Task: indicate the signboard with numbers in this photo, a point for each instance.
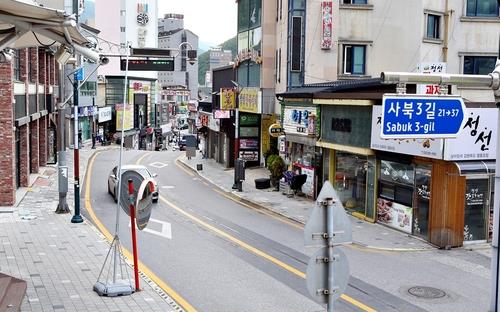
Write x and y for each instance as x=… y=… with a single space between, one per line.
x=410 y=116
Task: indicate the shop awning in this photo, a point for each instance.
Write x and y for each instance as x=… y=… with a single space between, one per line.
x=475 y=167
x=23 y=23
x=301 y=139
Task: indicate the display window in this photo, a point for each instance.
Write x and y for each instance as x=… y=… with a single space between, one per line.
x=350 y=181
x=476 y=209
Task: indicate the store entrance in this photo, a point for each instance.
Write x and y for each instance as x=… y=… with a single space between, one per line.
x=476 y=219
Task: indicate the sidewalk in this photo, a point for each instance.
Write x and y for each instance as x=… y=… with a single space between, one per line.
x=59 y=260
x=366 y=234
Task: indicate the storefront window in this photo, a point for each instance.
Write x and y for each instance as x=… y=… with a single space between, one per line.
x=350 y=180
x=422 y=200
x=475 y=209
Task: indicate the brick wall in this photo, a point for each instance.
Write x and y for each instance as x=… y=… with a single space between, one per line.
x=24 y=142
x=42 y=139
x=7 y=150
x=34 y=146
x=43 y=78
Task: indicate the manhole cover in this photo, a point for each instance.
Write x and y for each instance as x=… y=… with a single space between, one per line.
x=426 y=292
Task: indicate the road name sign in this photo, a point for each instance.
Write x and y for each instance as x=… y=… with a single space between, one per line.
x=406 y=116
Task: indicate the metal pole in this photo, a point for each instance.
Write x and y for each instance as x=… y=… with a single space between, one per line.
x=495 y=259
x=77 y=218
x=329 y=230
x=62 y=207
x=134 y=239
x=236 y=141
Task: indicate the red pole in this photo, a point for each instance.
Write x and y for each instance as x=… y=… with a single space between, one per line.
x=134 y=241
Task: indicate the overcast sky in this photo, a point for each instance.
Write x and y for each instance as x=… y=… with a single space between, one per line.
x=214 y=21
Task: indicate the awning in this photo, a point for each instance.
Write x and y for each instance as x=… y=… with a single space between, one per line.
x=24 y=23
x=475 y=167
x=301 y=139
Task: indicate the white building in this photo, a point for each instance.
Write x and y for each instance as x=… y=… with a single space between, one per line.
x=172 y=35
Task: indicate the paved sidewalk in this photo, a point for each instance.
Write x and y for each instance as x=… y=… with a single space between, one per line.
x=370 y=235
x=60 y=260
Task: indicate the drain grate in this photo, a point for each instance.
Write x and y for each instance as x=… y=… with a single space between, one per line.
x=426 y=292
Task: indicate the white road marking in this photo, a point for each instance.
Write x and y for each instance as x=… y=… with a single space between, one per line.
x=158 y=164
x=168 y=187
x=166 y=228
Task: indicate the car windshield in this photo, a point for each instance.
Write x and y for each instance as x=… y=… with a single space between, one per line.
x=145 y=172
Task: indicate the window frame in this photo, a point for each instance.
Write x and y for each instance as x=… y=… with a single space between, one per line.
x=475 y=57
x=436 y=32
x=344 y=59
x=468 y=3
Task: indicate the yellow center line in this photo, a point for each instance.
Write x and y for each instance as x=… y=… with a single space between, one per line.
x=164 y=286
x=259 y=252
x=141 y=158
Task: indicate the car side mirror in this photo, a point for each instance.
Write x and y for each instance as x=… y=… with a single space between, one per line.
x=154 y=175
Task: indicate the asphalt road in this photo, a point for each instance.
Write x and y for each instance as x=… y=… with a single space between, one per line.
x=217 y=255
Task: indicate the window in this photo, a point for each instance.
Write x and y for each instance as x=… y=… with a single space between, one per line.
x=17 y=65
x=296 y=43
x=354 y=59
x=88 y=88
x=354 y=1
x=479 y=65
x=483 y=8
x=432 y=26
x=122 y=29
x=31 y=67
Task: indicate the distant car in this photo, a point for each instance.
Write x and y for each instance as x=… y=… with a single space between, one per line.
x=113 y=181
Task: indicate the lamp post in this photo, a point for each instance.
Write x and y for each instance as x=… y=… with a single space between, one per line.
x=237 y=184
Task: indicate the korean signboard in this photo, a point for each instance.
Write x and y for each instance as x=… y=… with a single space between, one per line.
x=430 y=68
x=300 y=120
x=250 y=101
x=221 y=114
x=326 y=21
x=128 y=115
x=227 y=98
x=104 y=114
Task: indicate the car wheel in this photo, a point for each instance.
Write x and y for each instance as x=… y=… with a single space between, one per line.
x=155 y=200
x=109 y=190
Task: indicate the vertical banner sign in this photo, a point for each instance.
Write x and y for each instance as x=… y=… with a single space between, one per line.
x=227 y=98
x=430 y=68
x=326 y=19
x=127 y=114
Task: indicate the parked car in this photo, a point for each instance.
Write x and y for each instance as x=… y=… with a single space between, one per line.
x=143 y=170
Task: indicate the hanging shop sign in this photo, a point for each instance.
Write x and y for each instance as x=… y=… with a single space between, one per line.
x=249 y=155
x=249 y=143
x=213 y=124
x=430 y=68
x=247 y=54
x=326 y=18
x=275 y=130
x=127 y=114
x=300 y=120
x=203 y=120
x=227 y=98
x=105 y=114
x=250 y=101
x=222 y=114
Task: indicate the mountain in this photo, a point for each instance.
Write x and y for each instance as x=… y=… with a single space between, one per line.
x=203 y=58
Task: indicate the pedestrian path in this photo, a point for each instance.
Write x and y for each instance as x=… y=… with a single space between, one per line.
x=59 y=260
x=365 y=234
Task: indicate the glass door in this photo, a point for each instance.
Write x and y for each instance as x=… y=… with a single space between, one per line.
x=476 y=209
x=422 y=200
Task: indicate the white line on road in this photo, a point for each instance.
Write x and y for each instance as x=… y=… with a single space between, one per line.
x=166 y=228
x=168 y=187
x=158 y=164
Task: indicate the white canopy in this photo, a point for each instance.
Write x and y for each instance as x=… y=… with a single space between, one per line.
x=24 y=23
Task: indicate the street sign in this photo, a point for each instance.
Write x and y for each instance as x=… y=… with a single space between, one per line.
x=317 y=275
x=418 y=116
x=80 y=73
x=315 y=230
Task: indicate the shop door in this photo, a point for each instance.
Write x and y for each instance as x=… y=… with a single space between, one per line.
x=422 y=200
x=476 y=209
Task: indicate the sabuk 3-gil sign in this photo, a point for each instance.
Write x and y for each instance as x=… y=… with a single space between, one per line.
x=420 y=116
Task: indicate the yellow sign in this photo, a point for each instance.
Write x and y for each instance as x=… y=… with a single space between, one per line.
x=275 y=130
x=227 y=98
x=129 y=114
x=249 y=100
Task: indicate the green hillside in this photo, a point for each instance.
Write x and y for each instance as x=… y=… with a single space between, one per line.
x=203 y=64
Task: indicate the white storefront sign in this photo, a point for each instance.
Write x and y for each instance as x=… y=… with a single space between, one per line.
x=432 y=148
x=476 y=141
x=104 y=114
x=430 y=68
x=213 y=123
x=300 y=120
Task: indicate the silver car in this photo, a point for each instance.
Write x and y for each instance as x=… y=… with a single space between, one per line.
x=113 y=181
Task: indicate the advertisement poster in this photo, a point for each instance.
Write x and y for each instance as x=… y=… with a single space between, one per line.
x=249 y=143
x=394 y=215
x=227 y=99
x=476 y=194
x=250 y=101
x=128 y=123
x=308 y=187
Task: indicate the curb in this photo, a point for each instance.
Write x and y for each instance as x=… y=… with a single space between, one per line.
x=235 y=197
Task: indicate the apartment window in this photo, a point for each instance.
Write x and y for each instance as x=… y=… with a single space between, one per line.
x=482 y=8
x=296 y=43
x=354 y=59
x=479 y=65
x=432 y=26
x=122 y=29
x=88 y=88
x=17 y=65
x=355 y=1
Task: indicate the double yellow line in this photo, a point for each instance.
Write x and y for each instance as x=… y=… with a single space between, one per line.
x=172 y=293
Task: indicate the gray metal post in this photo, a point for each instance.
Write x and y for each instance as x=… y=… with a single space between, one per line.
x=329 y=230
x=62 y=166
x=495 y=257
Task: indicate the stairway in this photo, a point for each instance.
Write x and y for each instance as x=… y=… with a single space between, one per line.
x=12 y=291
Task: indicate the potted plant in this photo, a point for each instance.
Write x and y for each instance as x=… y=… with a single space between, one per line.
x=276 y=166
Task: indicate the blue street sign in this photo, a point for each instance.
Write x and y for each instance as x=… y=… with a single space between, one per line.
x=79 y=74
x=419 y=116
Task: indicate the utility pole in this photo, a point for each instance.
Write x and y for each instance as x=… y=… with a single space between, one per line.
x=62 y=207
x=77 y=218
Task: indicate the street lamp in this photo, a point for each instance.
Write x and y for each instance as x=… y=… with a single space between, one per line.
x=237 y=165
